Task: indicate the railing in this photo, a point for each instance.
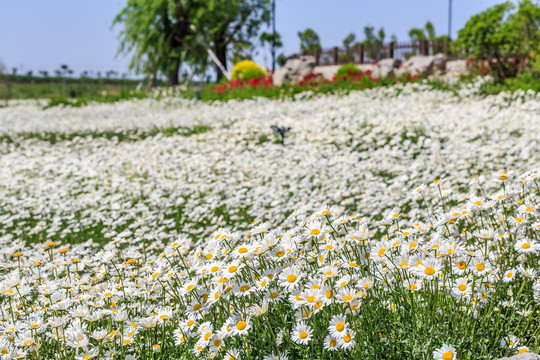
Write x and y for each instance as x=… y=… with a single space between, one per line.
x=362 y=54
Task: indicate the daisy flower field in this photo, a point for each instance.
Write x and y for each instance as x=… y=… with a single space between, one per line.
x=392 y=223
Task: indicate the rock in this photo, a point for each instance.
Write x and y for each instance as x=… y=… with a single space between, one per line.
x=525 y=356
x=295 y=69
x=439 y=62
x=327 y=71
x=422 y=65
x=277 y=77
x=456 y=68
x=385 y=67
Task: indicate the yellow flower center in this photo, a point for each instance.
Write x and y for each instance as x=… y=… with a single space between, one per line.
x=333 y=343
x=381 y=252
x=526 y=246
x=273 y=295
x=523 y=351
x=462 y=287
x=429 y=270
x=242 y=250
x=217 y=342
x=207 y=336
x=448 y=356
x=340 y=326
x=244 y=288
x=329 y=294
x=461 y=265
x=291 y=278
x=347 y=338
x=214 y=268
x=190 y=322
x=315 y=232
x=311 y=299
x=241 y=325
x=347 y=298
x=303 y=335
x=480 y=267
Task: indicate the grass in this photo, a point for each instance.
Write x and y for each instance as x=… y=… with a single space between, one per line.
x=523 y=82
x=52 y=88
x=81 y=101
x=129 y=135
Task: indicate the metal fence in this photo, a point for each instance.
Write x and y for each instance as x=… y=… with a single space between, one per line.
x=361 y=54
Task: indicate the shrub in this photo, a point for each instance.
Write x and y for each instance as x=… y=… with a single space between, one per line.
x=346 y=71
x=247 y=69
x=505 y=38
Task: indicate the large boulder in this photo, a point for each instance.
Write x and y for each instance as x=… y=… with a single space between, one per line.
x=327 y=71
x=294 y=70
x=456 y=68
x=386 y=67
x=422 y=65
x=525 y=356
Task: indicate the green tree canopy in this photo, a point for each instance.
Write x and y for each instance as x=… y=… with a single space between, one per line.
x=372 y=38
x=349 y=39
x=160 y=37
x=309 y=40
x=507 y=38
x=233 y=27
x=155 y=33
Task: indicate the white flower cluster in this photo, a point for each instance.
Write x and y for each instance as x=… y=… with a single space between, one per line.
x=386 y=214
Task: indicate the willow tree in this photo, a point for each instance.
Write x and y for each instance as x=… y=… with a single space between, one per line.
x=155 y=33
x=232 y=27
x=160 y=36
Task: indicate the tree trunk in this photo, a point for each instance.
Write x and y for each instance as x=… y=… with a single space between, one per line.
x=172 y=75
x=220 y=48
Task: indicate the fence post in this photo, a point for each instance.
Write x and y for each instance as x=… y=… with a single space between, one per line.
x=391 y=50
x=426 y=48
x=361 y=54
x=335 y=55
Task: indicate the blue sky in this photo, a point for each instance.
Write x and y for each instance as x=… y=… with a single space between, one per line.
x=43 y=34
